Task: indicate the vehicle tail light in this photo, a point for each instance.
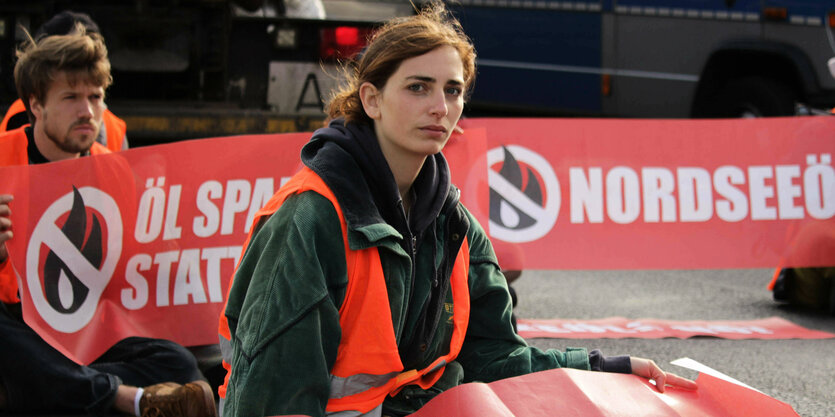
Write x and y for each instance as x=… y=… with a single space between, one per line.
x=343 y=42
x=606 y=85
x=832 y=19
x=776 y=13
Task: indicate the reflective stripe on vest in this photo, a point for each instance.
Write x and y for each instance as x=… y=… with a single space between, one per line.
x=376 y=412
x=368 y=365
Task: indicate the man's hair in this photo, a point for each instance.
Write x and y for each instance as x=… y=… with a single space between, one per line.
x=66 y=22
x=80 y=55
x=397 y=41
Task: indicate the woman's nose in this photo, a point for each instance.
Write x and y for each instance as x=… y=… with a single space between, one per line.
x=439 y=105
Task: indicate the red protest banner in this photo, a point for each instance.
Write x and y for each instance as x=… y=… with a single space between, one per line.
x=571 y=392
x=620 y=328
x=144 y=242
x=645 y=194
x=585 y=194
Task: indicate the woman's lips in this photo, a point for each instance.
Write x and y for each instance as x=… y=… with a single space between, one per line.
x=435 y=130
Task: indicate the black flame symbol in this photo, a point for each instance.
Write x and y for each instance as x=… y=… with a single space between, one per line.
x=74 y=229
x=512 y=172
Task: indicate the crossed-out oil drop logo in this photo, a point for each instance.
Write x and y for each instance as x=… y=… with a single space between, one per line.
x=524 y=194
x=71 y=257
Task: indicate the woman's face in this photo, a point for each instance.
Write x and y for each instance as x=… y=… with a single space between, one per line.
x=420 y=104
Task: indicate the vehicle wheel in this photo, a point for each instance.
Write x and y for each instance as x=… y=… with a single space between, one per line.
x=752 y=97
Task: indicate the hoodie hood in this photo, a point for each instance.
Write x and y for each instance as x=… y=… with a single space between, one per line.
x=349 y=159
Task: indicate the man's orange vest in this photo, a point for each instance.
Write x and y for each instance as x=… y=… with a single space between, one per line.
x=368 y=348
x=115 y=128
x=14 y=151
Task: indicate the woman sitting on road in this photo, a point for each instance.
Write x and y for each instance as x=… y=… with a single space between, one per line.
x=366 y=287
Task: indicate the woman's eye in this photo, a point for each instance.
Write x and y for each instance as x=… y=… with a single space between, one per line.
x=453 y=91
x=416 y=87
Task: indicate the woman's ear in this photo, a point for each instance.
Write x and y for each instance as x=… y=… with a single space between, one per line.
x=370 y=98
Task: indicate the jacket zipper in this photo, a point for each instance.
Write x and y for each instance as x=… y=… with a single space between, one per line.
x=412 y=250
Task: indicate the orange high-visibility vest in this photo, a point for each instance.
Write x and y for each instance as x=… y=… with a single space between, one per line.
x=368 y=365
x=115 y=128
x=16 y=107
x=14 y=151
x=14 y=148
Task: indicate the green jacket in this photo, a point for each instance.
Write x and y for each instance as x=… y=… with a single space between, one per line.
x=284 y=302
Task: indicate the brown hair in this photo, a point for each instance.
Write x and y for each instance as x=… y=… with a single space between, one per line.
x=81 y=55
x=398 y=40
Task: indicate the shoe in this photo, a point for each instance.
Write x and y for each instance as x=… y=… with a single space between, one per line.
x=168 y=399
x=782 y=284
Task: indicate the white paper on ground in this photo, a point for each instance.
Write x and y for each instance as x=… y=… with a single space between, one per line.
x=699 y=367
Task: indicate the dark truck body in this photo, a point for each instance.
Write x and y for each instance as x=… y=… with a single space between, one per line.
x=203 y=68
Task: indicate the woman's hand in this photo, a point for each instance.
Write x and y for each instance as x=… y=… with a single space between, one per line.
x=648 y=369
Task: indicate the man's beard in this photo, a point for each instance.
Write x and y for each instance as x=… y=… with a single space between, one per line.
x=69 y=145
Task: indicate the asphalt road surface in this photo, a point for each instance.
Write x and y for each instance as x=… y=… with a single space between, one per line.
x=798 y=372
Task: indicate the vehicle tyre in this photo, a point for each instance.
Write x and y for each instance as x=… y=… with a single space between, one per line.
x=752 y=97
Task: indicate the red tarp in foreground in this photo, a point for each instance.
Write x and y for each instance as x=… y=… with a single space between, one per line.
x=621 y=328
x=570 y=392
